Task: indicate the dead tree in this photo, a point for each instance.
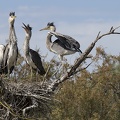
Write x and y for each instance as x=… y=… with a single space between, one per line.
x=17 y=100
x=80 y=60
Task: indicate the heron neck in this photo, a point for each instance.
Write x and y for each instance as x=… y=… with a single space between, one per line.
x=10 y=31
x=26 y=45
x=48 y=41
x=12 y=34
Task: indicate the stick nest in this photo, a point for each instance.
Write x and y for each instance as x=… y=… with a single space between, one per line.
x=16 y=97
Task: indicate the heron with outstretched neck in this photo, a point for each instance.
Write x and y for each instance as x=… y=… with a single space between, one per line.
x=11 y=49
x=31 y=57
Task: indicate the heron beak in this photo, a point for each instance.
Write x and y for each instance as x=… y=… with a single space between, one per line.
x=14 y=17
x=46 y=28
x=24 y=26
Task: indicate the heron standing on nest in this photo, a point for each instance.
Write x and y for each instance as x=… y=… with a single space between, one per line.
x=11 y=49
x=31 y=57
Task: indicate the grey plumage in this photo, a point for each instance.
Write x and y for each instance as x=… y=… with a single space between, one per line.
x=68 y=42
x=36 y=59
x=10 y=58
x=11 y=49
x=63 y=45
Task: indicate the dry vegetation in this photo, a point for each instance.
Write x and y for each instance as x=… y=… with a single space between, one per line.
x=56 y=96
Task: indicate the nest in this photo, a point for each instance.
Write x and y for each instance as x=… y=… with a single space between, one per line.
x=21 y=99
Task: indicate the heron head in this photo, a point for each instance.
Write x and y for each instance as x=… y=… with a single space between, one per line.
x=12 y=18
x=27 y=28
x=50 y=26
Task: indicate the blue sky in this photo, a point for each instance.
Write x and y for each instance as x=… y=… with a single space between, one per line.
x=81 y=19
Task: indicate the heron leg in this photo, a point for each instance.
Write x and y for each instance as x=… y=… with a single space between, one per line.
x=8 y=72
x=63 y=62
x=36 y=75
x=60 y=57
x=64 y=69
x=31 y=73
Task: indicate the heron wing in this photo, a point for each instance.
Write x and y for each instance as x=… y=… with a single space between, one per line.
x=2 y=48
x=58 y=47
x=68 y=41
x=37 y=61
x=12 y=67
x=5 y=58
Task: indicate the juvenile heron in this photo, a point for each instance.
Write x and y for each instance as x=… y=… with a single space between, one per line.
x=31 y=57
x=11 y=49
x=63 y=45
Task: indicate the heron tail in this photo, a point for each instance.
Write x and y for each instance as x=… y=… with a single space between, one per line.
x=79 y=51
x=42 y=71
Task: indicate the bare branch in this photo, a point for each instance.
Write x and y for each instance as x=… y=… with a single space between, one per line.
x=72 y=71
x=98 y=34
x=116 y=28
x=81 y=69
x=111 y=28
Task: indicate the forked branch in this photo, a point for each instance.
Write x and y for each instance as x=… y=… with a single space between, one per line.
x=79 y=61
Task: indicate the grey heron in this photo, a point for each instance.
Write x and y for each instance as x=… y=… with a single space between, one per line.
x=11 y=49
x=63 y=45
x=31 y=57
